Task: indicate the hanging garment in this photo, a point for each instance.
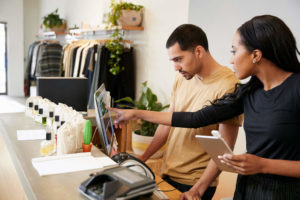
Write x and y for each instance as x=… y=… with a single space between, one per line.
x=96 y=76
x=122 y=84
x=49 y=60
x=27 y=76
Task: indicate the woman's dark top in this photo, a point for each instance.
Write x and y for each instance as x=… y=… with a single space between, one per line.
x=272 y=119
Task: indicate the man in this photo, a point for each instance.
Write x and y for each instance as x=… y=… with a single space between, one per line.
x=202 y=79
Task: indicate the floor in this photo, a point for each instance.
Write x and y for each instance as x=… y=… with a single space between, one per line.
x=10 y=186
x=11 y=104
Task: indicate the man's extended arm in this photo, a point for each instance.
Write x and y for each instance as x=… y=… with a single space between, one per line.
x=159 y=139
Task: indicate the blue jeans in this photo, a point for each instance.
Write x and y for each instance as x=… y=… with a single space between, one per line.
x=208 y=194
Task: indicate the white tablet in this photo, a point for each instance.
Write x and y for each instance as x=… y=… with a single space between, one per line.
x=215 y=146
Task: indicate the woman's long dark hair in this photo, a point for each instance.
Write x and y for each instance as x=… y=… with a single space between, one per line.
x=274 y=39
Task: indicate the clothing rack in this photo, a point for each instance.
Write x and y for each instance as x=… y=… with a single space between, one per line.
x=89 y=58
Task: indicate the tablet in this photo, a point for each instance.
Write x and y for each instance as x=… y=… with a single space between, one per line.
x=216 y=146
x=106 y=132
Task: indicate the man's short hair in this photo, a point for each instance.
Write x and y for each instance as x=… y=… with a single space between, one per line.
x=188 y=37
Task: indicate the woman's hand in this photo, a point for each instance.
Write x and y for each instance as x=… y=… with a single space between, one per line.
x=245 y=164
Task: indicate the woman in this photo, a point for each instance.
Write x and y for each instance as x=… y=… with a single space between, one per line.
x=265 y=49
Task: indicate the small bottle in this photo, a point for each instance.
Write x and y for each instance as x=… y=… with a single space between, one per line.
x=48 y=146
x=38 y=116
x=41 y=118
x=29 y=109
x=44 y=118
x=35 y=110
x=56 y=123
x=50 y=119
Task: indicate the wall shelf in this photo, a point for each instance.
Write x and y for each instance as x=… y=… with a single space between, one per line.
x=133 y=28
x=76 y=34
x=125 y=28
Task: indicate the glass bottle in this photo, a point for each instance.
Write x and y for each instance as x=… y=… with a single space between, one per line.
x=44 y=118
x=35 y=110
x=29 y=109
x=56 y=123
x=50 y=119
x=48 y=146
x=40 y=117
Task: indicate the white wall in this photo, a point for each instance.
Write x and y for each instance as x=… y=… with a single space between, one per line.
x=31 y=23
x=11 y=11
x=153 y=65
x=220 y=19
x=74 y=11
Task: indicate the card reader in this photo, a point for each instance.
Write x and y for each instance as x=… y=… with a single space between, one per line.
x=117 y=183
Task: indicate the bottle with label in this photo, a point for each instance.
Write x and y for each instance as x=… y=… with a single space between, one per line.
x=56 y=123
x=40 y=117
x=50 y=119
x=29 y=109
x=48 y=146
x=35 y=110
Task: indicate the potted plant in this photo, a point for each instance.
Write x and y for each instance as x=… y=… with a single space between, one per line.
x=126 y=14
x=87 y=136
x=53 y=22
x=144 y=131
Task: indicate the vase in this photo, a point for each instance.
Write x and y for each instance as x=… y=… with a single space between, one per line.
x=140 y=143
x=87 y=147
x=59 y=30
x=130 y=18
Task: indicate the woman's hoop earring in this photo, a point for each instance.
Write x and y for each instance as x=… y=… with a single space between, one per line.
x=254 y=61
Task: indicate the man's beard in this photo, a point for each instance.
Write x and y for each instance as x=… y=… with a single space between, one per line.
x=186 y=75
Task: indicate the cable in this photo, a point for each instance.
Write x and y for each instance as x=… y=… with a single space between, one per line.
x=164 y=190
x=160 y=182
x=167 y=190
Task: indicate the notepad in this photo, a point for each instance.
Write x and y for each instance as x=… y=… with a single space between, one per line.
x=38 y=134
x=70 y=163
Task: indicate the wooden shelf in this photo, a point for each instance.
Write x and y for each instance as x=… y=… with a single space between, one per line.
x=133 y=28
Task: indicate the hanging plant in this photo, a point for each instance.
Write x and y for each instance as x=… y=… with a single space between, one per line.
x=116 y=49
x=115 y=44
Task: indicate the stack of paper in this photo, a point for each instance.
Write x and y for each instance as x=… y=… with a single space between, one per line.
x=70 y=163
x=38 y=134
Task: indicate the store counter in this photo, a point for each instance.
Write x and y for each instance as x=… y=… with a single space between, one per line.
x=61 y=186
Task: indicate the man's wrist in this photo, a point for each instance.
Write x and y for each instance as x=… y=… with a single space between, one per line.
x=142 y=158
x=198 y=189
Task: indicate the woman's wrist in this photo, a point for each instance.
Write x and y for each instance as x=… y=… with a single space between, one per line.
x=264 y=165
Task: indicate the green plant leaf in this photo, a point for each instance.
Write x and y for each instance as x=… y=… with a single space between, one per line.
x=127 y=99
x=52 y=19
